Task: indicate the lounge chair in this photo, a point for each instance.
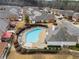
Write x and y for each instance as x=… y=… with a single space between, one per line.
x=28 y=45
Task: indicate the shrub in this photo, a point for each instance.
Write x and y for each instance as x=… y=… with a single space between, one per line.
x=26 y=18
x=23 y=50
x=77 y=45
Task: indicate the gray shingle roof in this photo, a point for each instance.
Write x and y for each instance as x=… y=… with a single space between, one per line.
x=71 y=28
x=3 y=25
x=67 y=33
x=43 y=17
x=63 y=36
x=66 y=12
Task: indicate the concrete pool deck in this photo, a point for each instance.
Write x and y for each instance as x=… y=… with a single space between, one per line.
x=34 y=45
x=42 y=36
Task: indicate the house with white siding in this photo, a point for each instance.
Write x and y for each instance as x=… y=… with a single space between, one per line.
x=65 y=34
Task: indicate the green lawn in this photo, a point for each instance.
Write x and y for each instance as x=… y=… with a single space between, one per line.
x=74 y=47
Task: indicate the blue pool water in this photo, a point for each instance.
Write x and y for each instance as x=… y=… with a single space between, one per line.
x=32 y=36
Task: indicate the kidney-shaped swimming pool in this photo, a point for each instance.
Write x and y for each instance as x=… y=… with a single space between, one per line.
x=32 y=36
